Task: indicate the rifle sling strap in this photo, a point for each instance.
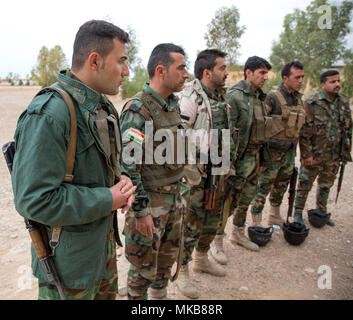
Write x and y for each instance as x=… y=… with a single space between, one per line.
x=70 y=156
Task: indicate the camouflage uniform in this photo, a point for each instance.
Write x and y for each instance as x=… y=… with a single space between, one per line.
x=327 y=137
x=202 y=108
x=151 y=260
x=249 y=115
x=283 y=150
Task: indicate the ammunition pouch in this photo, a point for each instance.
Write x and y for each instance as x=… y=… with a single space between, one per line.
x=282 y=145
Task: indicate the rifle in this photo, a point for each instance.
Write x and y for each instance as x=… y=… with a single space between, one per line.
x=37 y=232
x=340 y=179
x=343 y=164
x=291 y=196
x=210 y=192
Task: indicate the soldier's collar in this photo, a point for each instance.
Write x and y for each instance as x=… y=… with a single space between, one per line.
x=324 y=97
x=170 y=104
x=84 y=95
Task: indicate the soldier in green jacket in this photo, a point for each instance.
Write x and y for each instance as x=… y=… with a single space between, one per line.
x=248 y=114
x=325 y=141
x=204 y=110
x=85 y=255
x=286 y=108
x=150 y=124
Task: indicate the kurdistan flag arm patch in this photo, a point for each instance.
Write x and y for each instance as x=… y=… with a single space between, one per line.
x=136 y=135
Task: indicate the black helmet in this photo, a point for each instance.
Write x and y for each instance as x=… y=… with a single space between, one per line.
x=295 y=232
x=261 y=236
x=318 y=218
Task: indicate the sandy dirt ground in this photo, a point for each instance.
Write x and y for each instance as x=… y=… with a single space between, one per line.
x=319 y=269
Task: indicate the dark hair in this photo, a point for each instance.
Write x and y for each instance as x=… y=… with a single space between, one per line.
x=206 y=59
x=95 y=36
x=161 y=55
x=254 y=63
x=328 y=73
x=286 y=70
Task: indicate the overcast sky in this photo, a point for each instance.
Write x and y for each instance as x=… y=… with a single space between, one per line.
x=26 y=26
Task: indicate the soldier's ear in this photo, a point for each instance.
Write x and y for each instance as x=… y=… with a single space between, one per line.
x=160 y=70
x=94 y=61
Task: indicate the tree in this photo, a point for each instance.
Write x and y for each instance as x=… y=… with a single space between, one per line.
x=224 y=32
x=49 y=63
x=347 y=87
x=135 y=85
x=316 y=43
x=137 y=72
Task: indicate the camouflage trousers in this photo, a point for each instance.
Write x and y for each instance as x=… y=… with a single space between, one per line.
x=105 y=289
x=151 y=260
x=274 y=180
x=326 y=173
x=245 y=185
x=199 y=232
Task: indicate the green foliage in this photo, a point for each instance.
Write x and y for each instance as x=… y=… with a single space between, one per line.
x=224 y=32
x=131 y=87
x=49 y=63
x=272 y=84
x=316 y=48
x=347 y=84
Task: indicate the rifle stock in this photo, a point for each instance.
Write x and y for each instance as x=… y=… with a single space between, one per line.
x=37 y=232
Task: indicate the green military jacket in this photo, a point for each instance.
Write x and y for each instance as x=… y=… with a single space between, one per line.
x=83 y=207
x=241 y=100
x=327 y=132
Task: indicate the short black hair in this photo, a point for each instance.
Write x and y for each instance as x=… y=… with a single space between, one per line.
x=161 y=55
x=206 y=59
x=95 y=36
x=286 y=70
x=254 y=63
x=328 y=73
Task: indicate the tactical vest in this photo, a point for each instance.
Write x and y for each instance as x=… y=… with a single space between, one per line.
x=293 y=118
x=157 y=175
x=219 y=117
x=108 y=129
x=261 y=129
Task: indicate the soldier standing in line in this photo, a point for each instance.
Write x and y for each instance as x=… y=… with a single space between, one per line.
x=286 y=104
x=85 y=209
x=203 y=108
x=249 y=115
x=325 y=141
x=153 y=226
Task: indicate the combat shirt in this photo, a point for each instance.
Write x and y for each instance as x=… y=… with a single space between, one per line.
x=130 y=119
x=327 y=122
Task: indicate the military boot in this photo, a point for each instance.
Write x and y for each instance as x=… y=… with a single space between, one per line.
x=157 y=294
x=256 y=219
x=238 y=237
x=275 y=217
x=184 y=284
x=202 y=264
x=217 y=250
x=298 y=217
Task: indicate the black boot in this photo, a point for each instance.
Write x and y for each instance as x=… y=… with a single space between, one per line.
x=298 y=217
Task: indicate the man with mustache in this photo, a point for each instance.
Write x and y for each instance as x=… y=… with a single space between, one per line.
x=203 y=108
x=286 y=107
x=153 y=226
x=325 y=141
x=248 y=114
